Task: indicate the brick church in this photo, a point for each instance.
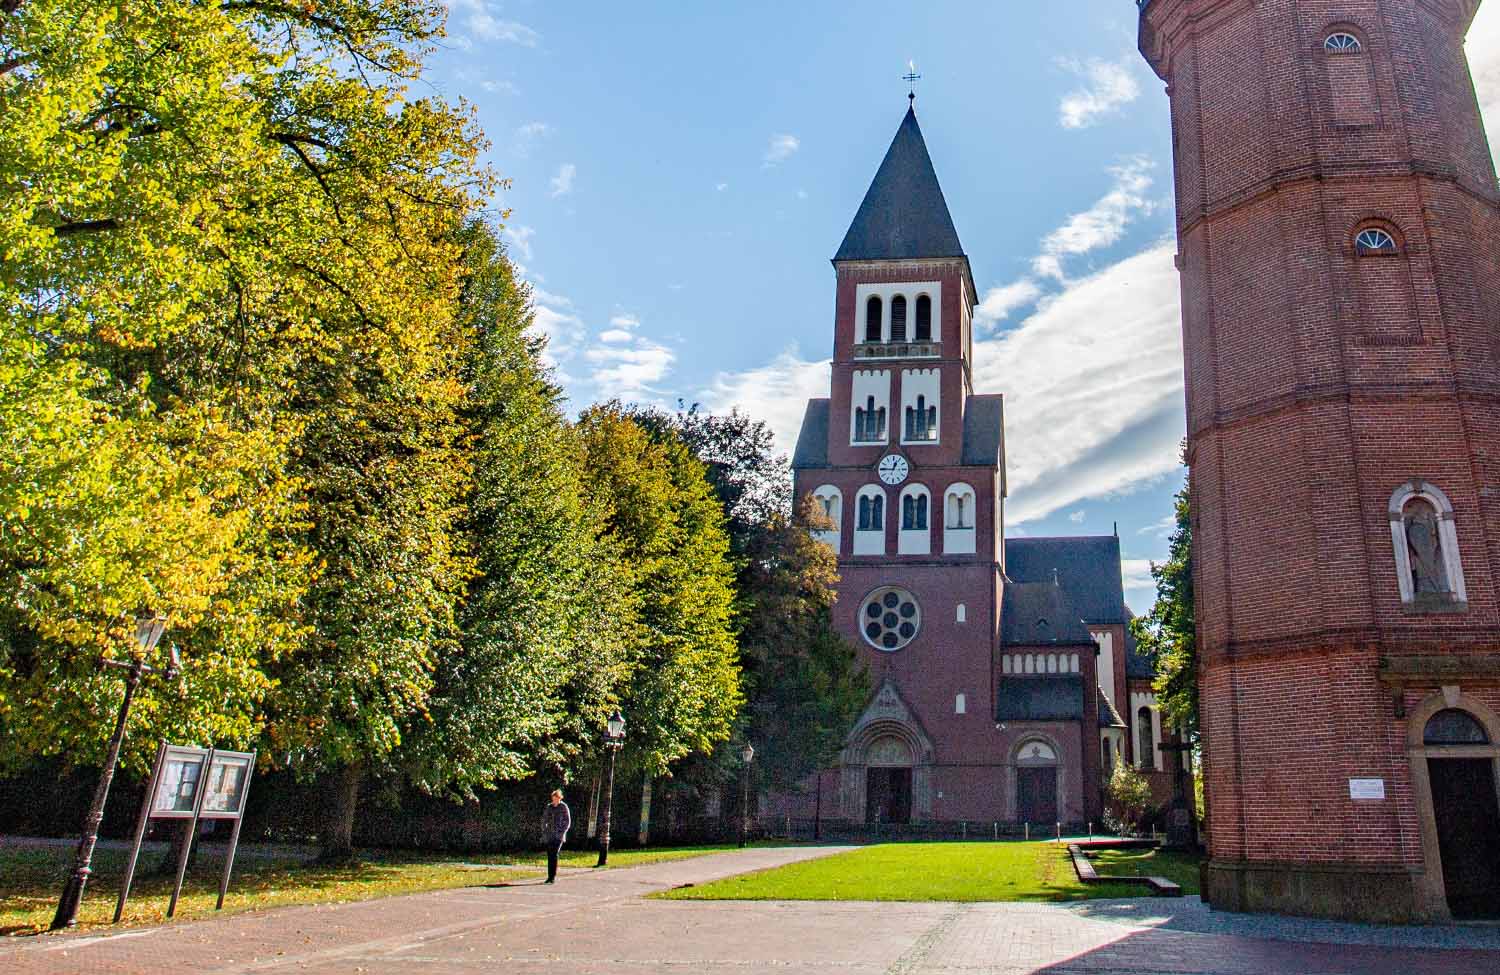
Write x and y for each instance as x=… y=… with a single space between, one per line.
x=1004 y=680
x=1338 y=225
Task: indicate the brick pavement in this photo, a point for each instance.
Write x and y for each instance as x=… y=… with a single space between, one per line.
x=599 y=924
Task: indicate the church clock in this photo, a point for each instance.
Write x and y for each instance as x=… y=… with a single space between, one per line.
x=893 y=468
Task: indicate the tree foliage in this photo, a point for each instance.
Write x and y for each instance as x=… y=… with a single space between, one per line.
x=1167 y=634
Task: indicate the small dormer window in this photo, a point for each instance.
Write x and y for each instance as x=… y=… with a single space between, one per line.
x=1373 y=240
x=873 y=323
x=1342 y=42
x=924 y=318
x=898 y=318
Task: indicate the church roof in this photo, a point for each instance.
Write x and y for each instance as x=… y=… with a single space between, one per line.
x=1088 y=568
x=812 y=442
x=1137 y=664
x=1040 y=614
x=1108 y=716
x=984 y=432
x=1050 y=697
x=903 y=215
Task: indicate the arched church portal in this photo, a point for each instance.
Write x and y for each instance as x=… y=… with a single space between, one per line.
x=888 y=781
x=1037 y=782
x=1453 y=743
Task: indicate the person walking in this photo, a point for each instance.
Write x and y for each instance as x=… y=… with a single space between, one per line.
x=556 y=821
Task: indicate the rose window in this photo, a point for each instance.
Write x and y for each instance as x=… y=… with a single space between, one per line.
x=890 y=618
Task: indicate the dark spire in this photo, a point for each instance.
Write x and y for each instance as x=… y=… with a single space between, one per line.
x=904 y=214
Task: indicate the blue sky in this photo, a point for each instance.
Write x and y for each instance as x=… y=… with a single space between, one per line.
x=682 y=173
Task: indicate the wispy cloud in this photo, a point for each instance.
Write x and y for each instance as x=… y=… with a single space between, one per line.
x=629 y=372
x=1484 y=64
x=482 y=19
x=519 y=239
x=1161 y=529
x=1107 y=87
x=1078 y=516
x=721 y=187
x=776 y=393
x=998 y=303
x=562 y=183
x=615 y=335
x=1102 y=224
x=527 y=136
x=781 y=148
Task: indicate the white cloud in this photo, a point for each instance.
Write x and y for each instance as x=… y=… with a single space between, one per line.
x=625 y=320
x=1161 y=529
x=505 y=87
x=563 y=330
x=520 y=240
x=562 y=183
x=1137 y=573
x=615 y=335
x=781 y=148
x=483 y=20
x=627 y=373
x=1078 y=516
x=1093 y=386
x=721 y=187
x=998 y=303
x=1484 y=63
x=548 y=298
x=776 y=393
x=527 y=136
x=1102 y=224
x=1107 y=87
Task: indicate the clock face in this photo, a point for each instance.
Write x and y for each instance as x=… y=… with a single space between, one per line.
x=893 y=469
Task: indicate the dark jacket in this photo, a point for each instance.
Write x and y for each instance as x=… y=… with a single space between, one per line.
x=556 y=821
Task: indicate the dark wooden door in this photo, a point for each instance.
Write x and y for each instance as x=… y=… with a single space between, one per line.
x=888 y=795
x=1468 y=826
x=1036 y=794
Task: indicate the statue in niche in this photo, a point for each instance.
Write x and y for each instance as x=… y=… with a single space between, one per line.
x=1424 y=549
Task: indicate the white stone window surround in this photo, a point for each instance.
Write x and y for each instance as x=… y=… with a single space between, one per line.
x=1147 y=750
x=868 y=384
x=1039 y=663
x=1447 y=538
x=831 y=499
x=959 y=516
x=915 y=541
x=912 y=290
x=960 y=704
x=926 y=384
x=871 y=542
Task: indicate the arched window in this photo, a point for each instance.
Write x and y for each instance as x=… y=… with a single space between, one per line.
x=869 y=422
x=1342 y=42
x=873 y=323
x=898 y=318
x=1429 y=572
x=1373 y=240
x=1145 y=737
x=921 y=421
x=871 y=513
x=914 y=513
x=1454 y=727
x=960 y=507
x=924 y=318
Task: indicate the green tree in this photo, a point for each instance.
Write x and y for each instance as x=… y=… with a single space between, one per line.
x=1129 y=794
x=539 y=660
x=659 y=513
x=1167 y=634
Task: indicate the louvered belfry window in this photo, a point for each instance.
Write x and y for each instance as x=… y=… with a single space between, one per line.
x=924 y=319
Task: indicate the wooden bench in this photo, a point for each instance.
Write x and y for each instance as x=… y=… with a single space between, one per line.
x=1159 y=886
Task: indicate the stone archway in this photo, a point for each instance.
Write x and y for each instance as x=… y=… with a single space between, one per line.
x=888 y=747
x=1449 y=775
x=1038 y=790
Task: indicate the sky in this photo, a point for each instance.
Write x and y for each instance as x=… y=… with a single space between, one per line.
x=679 y=176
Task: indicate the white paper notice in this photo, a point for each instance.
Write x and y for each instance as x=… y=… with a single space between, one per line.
x=1367 y=788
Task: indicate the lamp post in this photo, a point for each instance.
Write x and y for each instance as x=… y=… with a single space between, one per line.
x=148 y=631
x=614 y=740
x=748 y=755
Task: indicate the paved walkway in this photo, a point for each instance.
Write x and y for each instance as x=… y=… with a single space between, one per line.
x=598 y=924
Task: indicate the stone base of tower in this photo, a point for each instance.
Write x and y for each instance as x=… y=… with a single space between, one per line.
x=1351 y=892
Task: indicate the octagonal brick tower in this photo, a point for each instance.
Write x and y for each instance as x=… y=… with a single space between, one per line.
x=1339 y=242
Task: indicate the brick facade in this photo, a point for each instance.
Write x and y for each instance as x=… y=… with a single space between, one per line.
x=1319 y=381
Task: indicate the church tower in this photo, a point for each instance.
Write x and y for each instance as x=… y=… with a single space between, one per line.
x=908 y=463
x=1338 y=224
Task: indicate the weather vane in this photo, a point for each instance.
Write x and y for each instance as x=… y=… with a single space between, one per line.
x=911 y=78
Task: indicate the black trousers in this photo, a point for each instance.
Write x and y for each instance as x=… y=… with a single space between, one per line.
x=554 y=847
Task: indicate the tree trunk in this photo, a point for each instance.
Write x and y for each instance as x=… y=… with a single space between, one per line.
x=644 y=836
x=343 y=800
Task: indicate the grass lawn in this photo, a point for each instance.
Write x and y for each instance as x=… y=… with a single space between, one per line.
x=947 y=872
x=31 y=877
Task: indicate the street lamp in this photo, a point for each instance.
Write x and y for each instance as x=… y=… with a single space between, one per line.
x=748 y=755
x=148 y=630
x=614 y=740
